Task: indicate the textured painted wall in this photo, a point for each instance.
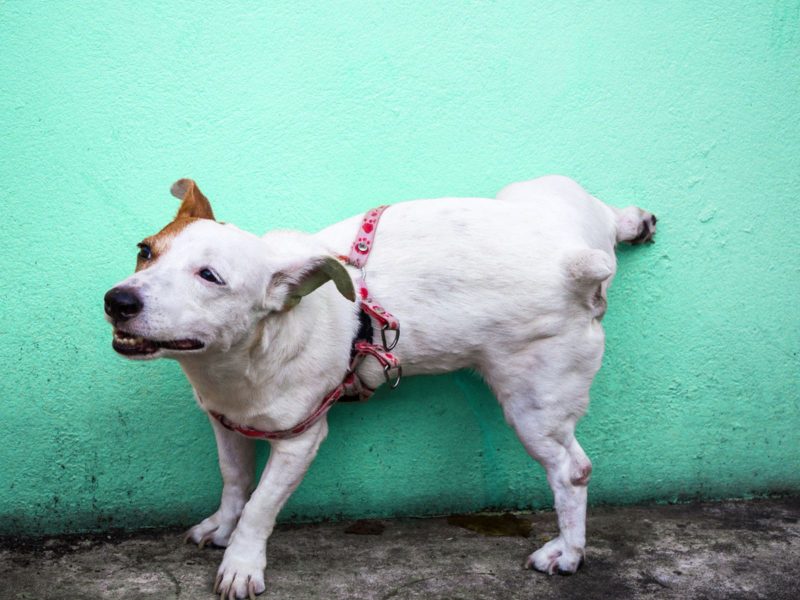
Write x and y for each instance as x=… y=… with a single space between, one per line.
x=296 y=115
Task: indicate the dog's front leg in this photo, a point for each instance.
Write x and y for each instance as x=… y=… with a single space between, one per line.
x=236 y=463
x=242 y=570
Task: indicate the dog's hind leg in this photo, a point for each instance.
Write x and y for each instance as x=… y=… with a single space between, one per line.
x=544 y=392
x=236 y=463
x=568 y=471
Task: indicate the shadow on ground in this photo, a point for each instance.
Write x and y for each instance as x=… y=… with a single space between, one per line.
x=725 y=550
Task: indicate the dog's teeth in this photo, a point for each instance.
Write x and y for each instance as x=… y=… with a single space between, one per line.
x=127 y=340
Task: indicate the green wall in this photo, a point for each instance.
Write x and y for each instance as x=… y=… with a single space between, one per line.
x=296 y=115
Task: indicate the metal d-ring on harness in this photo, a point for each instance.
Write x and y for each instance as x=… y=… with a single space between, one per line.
x=389 y=325
x=351 y=387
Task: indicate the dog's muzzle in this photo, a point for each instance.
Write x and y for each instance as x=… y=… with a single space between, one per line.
x=121 y=305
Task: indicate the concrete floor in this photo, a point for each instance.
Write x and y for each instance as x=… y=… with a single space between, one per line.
x=725 y=550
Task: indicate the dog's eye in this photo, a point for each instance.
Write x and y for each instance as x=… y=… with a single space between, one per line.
x=145 y=252
x=209 y=275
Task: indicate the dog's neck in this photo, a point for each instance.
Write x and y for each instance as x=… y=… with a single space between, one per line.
x=282 y=369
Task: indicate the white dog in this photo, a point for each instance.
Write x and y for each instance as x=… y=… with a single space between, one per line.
x=513 y=287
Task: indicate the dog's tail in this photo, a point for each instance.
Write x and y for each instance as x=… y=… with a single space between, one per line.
x=587 y=271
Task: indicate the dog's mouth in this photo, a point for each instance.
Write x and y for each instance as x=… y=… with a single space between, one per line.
x=133 y=345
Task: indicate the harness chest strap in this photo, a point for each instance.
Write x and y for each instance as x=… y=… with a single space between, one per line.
x=250 y=432
x=351 y=386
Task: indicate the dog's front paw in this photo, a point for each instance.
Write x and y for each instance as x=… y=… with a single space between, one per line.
x=216 y=530
x=241 y=574
x=556 y=557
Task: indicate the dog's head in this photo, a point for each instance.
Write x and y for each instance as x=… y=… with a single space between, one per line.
x=202 y=286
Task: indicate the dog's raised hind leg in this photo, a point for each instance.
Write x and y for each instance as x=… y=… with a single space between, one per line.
x=635 y=225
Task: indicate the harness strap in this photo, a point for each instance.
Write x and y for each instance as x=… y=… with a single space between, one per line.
x=362 y=347
x=362 y=246
x=304 y=425
x=359 y=254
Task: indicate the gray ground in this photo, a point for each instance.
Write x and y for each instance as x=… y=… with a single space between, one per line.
x=725 y=550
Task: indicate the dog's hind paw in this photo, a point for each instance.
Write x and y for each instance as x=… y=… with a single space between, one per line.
x=635 y=226
x=215 y=530
x=556 y=557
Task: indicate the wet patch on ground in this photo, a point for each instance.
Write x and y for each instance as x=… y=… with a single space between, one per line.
x=504 y=524
x=366 y=527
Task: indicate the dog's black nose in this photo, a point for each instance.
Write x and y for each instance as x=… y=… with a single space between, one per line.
x=122 y=304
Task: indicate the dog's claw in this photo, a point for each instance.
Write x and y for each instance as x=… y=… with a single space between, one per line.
x=217 y=582
x=226 y=592
x=206 y=539
x=530 y=563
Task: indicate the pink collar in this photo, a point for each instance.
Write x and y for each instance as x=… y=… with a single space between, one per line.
x=351 y=385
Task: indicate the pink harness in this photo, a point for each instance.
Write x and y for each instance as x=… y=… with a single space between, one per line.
x=351 y=387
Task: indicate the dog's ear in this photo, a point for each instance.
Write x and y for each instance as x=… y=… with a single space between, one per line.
x=194 y=205
x=288 y=287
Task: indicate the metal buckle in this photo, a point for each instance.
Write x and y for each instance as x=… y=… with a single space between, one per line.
x=387 y=346
x=396 y=382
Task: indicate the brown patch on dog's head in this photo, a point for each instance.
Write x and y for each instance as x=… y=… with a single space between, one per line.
x=194 y=206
